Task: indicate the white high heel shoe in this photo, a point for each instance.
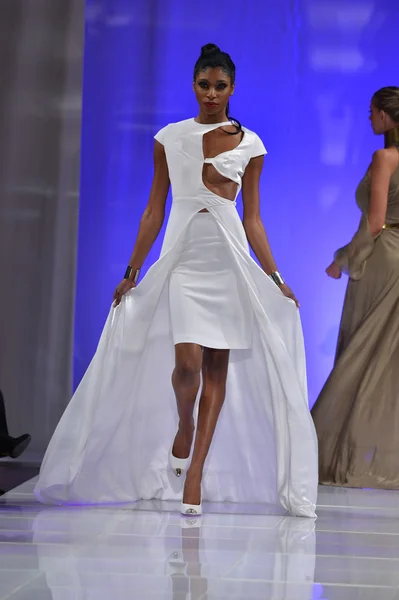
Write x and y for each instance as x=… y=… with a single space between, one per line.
x=191 y=510
x=179 y=465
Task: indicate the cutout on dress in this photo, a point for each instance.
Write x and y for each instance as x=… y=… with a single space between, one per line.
x=215 y=143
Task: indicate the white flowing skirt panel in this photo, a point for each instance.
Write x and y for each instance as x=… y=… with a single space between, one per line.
x=209 y=305
x=112 y=442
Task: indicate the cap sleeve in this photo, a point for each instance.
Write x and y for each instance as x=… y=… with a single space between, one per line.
x=258 y=149
x=160 y=136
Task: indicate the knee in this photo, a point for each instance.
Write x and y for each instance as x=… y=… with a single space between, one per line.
x=187 y=371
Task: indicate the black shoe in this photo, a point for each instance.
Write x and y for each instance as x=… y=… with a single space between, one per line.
x=14 y=447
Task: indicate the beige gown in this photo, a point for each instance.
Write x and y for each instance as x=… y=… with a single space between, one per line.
x=357 y=413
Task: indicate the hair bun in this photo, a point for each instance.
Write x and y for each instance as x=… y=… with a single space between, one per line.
x=209 y=49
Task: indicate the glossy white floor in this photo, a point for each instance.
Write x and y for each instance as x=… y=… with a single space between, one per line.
x=145 y=551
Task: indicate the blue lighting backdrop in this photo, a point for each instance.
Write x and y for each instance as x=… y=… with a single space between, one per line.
x=306 y=70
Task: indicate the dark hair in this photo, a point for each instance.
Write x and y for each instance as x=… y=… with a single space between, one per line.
x=212 y=57
x=387 y=99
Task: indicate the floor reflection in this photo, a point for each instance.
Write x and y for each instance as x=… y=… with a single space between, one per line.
x=119 y=554
x=184 y=565
x=236 y=552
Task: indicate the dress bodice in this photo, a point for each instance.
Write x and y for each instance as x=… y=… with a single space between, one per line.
x=183 y=142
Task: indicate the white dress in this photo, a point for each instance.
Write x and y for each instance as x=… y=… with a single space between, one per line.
x=209 y=303
x=112 y=442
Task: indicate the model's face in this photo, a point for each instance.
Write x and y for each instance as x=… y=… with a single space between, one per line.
x=213 y=89
x=380 y=120
x=376 y=119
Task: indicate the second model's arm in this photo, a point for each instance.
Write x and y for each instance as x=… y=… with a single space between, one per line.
x=351 y=258
x=384 y=164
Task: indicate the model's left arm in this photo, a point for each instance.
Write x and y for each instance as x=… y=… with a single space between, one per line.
x=253 y=224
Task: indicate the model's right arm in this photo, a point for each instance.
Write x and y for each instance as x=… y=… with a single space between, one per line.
x=151 y=220
x=154 y=214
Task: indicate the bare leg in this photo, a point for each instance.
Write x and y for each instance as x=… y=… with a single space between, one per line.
x=214 y=374
x=186 y=381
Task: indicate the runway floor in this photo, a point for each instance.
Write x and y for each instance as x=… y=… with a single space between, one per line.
x=237 y=552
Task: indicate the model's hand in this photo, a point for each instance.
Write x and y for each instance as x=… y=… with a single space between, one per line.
x=334 y=271
x=124 y=286
x=289 y=293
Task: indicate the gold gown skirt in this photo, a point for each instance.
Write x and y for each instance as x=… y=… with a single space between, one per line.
x=357 y=413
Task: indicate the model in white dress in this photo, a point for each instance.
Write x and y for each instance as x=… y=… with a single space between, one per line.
x=112 y=443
